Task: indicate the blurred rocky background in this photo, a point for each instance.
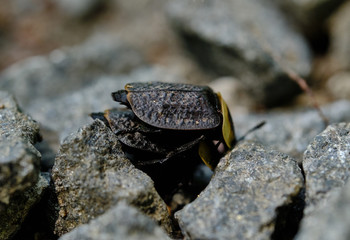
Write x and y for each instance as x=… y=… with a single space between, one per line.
x=63 y=175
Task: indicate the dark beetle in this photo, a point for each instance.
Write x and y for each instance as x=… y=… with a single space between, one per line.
x=168 y=119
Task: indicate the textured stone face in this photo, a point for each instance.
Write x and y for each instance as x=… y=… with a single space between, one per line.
x=331 y=220
x=248 y=39
x=20 y=183
x=120 y=222
x=14 y=123
x=19 y=160
x=91 y=175
x=327 y=162
x=291 y=133
x=242 y=199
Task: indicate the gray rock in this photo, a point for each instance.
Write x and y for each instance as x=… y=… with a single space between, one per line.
x=248 y=191
x=91 y=175
x=67 y=113
x=19 y=167
x=331 y=220
x=68 y=69
x=20 y=186
x=19 y=160
x=120 y=222
x=291 y=132
x=14 y=213
x=239 y=38
x=14 y=123
x=326 y=163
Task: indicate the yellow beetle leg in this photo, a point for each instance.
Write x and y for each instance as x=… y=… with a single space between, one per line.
x=206 y=154
x=228 y=131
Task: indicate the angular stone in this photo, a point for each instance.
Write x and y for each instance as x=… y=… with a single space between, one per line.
x=120 y=222
x=249 y=39
x=19 y=167
x=250 y=188
x=13 y=214
x=329 y=221
x=14 y=123
x=91 y=175
x=19 y=160
x=326 y=163
x=291 y=132
x=20 y=186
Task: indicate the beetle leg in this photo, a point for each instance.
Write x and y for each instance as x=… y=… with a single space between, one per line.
x=184 y=147
x=133 y=130
x=175 y=152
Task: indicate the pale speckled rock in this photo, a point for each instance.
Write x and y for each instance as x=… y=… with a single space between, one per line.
x=14 y=123
x=120 y=222
x=291 y=132
x=250 y=187
x=238 y=37
x=68 y=69
x=19 y=165
x=326 y=163
x=91 y=175
x=14 y=213
x=331 y=220
x=19 y=160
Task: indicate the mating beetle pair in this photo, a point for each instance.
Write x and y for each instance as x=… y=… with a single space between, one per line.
x=166 y=120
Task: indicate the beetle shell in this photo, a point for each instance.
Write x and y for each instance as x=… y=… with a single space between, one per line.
x=173 y=106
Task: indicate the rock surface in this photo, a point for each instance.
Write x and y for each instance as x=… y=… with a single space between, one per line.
x=65 y=114
x=288 y=132
x=249 y=39
x=251 y=186
x=68 y=69
x=20 y=185
x=120 y=222
x=92 y=175
x=13 y=214
x=331 y=221
x=326 y=163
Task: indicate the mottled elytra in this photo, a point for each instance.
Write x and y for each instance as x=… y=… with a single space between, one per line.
x=171 y=105
x=169 y=119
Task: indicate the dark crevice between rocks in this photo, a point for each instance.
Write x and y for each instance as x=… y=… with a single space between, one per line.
x=178 y=180
x=40 y=221
x=289 y=216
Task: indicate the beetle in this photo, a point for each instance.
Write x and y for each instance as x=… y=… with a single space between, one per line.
x=168 y=119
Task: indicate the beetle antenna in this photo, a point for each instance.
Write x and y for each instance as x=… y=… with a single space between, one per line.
x=252 y=130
